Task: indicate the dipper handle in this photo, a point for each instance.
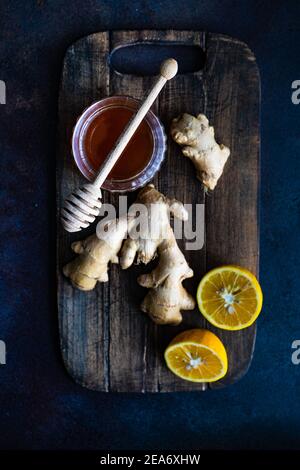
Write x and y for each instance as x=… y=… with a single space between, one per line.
x=168 y=70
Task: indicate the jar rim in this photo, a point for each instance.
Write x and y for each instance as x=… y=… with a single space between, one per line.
x=158 y=136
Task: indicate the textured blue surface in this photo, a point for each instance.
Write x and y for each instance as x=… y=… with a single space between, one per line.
x=40 y=405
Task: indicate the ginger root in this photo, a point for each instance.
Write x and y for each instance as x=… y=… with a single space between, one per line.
x=91 y=266
x=198 y=141
x=167 y=296
x=154 y=236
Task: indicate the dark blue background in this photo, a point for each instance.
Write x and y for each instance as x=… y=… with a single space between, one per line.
x=40 y=405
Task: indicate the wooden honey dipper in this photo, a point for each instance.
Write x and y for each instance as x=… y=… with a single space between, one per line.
x=82 y=206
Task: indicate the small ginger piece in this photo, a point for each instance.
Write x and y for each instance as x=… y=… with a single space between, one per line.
x=198 y=140
x=95 y=254
x=166 y=296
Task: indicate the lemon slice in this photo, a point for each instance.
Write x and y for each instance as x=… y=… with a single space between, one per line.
x=230 y=297
x=197 y=355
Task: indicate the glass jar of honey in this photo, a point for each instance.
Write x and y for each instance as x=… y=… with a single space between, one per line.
x=96 y=133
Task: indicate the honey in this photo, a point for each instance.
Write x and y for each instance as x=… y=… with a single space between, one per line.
x=102 y=135
x=96 y=133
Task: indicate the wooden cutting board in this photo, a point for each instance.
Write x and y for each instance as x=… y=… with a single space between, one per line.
x=107 y=343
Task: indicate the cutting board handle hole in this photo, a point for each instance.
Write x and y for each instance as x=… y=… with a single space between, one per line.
x=144 y=59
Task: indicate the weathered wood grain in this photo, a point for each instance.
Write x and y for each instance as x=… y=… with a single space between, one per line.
x=107 y=343
x=83 y=331
x=232 y=96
